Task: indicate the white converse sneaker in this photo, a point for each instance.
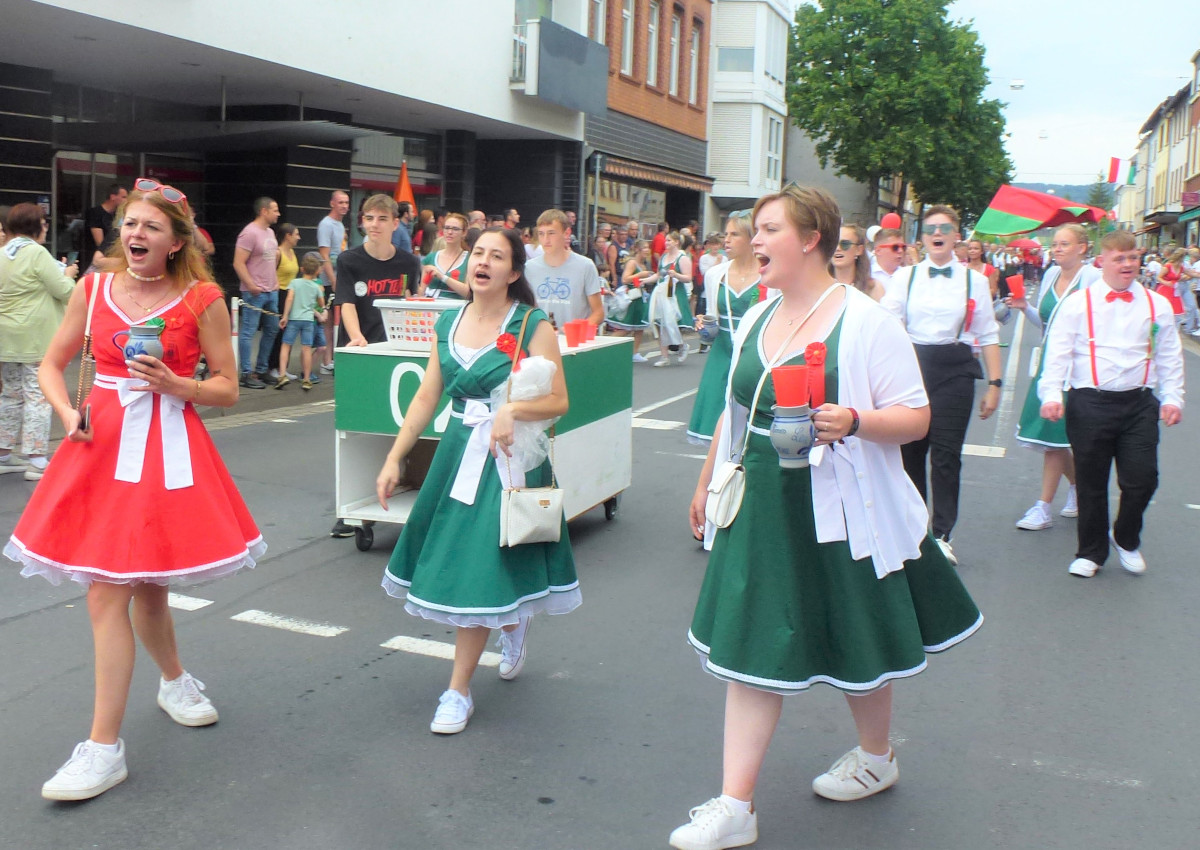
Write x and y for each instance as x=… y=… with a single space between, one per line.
x=182 y=700
x=715 y=826
x=639 y=357
x=944 y=545
x=1071 y=508
x=89 y=772
x=512 y=649
x=682 y=354
x=1131 y=559
x=453 y=712
x=1036 y=518
x=1083 y=568
x=855 y=776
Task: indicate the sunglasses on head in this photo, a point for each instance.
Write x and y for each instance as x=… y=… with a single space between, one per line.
x=945 y=229
x=741 y=214
x=169 y=193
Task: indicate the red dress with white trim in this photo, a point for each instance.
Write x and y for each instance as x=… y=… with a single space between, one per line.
x=149 y=499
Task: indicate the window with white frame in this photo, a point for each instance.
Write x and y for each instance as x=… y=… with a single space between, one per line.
x=735 y=59
x=777 y=44
x=676 y=26
x=627 y=37
x=653 y=22
x=694 y=64
x=774 y=148
x=598 y=20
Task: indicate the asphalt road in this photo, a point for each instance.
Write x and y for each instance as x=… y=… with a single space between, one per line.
x=1060 y=724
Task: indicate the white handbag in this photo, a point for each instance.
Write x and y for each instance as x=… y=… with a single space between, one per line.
x=727 y=486
x=531 y=514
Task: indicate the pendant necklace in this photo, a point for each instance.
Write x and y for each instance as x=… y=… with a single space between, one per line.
x=146 y=310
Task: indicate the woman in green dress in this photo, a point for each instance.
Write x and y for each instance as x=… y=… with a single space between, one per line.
x=730 y=288
x=1070 y=247
x=828 y=572
x=669 y=303
x=447 y=562
x=634 y=321
x=445 y=271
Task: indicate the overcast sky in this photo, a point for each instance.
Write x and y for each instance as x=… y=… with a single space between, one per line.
x=1094 y=70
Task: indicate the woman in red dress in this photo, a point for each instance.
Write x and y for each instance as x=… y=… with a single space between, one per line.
x=137 y=497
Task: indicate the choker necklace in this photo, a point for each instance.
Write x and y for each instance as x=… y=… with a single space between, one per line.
x=143 y=279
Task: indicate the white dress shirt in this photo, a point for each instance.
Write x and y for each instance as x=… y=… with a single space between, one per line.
x=1122 y=334
x=938 y=306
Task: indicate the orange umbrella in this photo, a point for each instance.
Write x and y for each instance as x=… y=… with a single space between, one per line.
x=404 y=190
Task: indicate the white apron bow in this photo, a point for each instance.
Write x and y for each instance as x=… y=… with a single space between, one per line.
x=135 y=428
x=478 y=416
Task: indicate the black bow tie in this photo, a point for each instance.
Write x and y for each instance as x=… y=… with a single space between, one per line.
x=947 y=272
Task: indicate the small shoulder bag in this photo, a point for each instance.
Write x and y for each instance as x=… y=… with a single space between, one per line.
x=530 y=514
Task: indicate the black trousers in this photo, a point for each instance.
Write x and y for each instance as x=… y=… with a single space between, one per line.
x=949 y=373
x=1103 y=427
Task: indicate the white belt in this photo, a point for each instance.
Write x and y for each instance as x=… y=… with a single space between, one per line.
x=478 y=416
x=135 y=428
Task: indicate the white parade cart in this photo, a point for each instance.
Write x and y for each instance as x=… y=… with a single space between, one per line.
x=593 y=446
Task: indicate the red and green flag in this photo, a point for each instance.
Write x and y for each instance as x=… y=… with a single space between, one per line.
x=1015 y=210
x=1121 y=171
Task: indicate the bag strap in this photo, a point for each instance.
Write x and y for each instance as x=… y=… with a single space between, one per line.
x=776 y=359
x=87 y=358
x=508 y=396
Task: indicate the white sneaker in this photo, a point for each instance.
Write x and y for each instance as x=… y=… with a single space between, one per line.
x=661 y=361
x=855 y=776
x=1083 y=568
x=944 y=545
x=89 y=772
x=453 y=712
x=34 y=473
x=512 y=649
x=638 y=357
x=327 y=368
x=683 y=352
x=1036 y=518
x=1131 y=559
x=183 y=701
x=716 y=825
x=11 y=464
x=1071 y=508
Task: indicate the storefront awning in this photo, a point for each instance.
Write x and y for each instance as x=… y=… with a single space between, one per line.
x=1149 y=228
x=655 y=174
x=1189 y=215
x=1163 y=217
x=166 y=136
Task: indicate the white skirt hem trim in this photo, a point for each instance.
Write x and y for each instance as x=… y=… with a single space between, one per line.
x=552 y=601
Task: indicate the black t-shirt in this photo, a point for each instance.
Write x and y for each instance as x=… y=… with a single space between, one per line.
x=362 y=278
x=101 y=218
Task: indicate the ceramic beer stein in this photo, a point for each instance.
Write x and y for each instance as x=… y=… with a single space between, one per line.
x=140 y=339
x=792 y=435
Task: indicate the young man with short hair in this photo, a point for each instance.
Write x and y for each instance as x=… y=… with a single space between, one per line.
x=889 y=252
x=331 y=237
x=567 y=285
x=254 y=260
x=98 y=231
x=512 y=218
x=1116 y=348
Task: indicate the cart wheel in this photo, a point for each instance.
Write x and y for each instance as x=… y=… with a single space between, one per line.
x=364 y=537
x=610 y=508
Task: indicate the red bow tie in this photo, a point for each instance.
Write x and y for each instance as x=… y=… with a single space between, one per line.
x=1125 y=296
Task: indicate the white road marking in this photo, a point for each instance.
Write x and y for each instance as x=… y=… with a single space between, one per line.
x=187 y=603
x=284 y=420
x=1004 y=412
x=983 y=451
x=1193 y=507
x=642 y=410
x=1065 y=769
x=657 y=424
x=681 y=454
x=435 y=649
x=291 y=624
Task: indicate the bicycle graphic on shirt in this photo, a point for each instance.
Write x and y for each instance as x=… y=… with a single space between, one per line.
x=554 y=289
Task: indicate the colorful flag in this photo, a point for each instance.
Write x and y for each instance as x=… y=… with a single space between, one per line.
x=1014 y=210
x=404 y=190
x=1121 y=171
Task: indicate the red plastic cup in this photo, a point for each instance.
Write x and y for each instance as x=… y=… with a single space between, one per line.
x=574 y=333
x=1016 y=286
x=791 y=385
x=589 y=331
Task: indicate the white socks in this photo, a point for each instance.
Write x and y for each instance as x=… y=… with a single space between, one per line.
x=739 y=806
x=874 y=759
x=108 y=748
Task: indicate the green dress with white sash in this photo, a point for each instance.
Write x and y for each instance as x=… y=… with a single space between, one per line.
x=1032 y=430
x=710 y=396
x=437 y=288
x=448 y=561
x=780 y=612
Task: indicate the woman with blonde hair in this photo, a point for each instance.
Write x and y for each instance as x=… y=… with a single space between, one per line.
x=1172 y=282
x=445 y=270
x=1069 y=274
x=827 y=573
x=138 y=481
x=850 y=263
x=669 y=302
x=634 y=321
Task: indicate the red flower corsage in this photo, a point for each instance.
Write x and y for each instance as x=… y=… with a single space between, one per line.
x=814 y=357
x=454 y=274
x=506 y=343
x=762 y=293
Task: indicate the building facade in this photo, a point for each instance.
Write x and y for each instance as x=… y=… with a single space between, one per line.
x=1189 y=216
x=293 y=106
x=647 y=153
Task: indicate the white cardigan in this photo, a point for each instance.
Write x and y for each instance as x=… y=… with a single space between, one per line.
x=860 y=491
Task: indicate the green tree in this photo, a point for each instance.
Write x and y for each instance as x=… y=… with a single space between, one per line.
x=1101 y=193
x=893 y=87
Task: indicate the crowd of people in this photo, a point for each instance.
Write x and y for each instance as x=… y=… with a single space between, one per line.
x=832 y=571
